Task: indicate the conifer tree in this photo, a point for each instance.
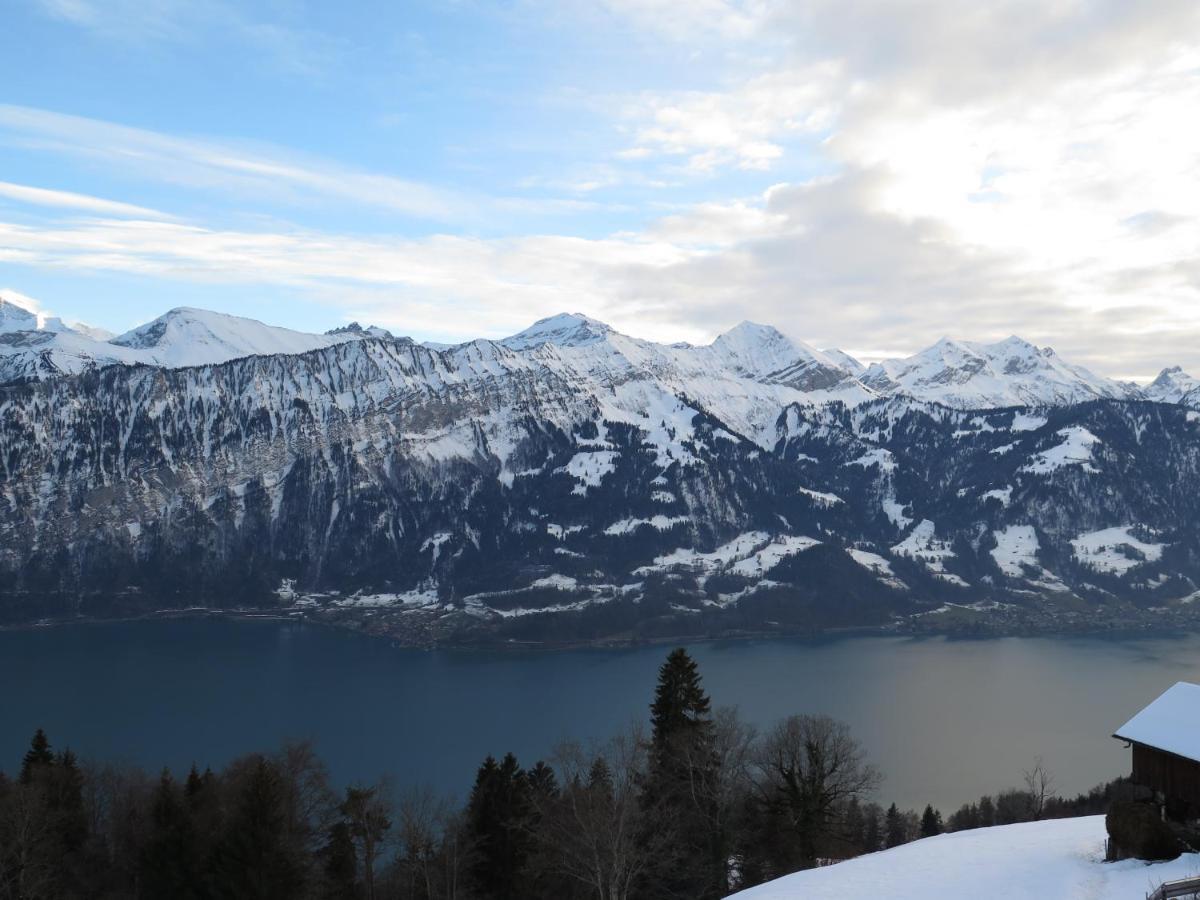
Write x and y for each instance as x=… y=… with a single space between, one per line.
x=872 y=831
x=987 y=812
x=543 y=783
x=931 y=822
x=38 y=755
x=894 y=832
x=170 y=863
x=499 y=819
x=254 y=857
x=340 y=864
x=679 y=791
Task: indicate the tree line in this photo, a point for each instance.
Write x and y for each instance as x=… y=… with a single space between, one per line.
x=695 y=806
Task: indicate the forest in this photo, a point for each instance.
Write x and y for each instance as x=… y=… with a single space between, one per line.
x=693 y=804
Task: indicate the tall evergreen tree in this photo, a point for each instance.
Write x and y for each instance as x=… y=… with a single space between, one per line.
x=254 y=859
x=872 y=829
x=894 y=831
x=680 y=790
x=931 y=822
x=170 y=862
x=543 y=783
x=499 y=818
x=38 y=755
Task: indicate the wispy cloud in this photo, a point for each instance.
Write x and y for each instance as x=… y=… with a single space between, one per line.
x=266 y=173
x=69 y=200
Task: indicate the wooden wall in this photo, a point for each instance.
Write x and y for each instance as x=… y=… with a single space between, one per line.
x=1178 y=779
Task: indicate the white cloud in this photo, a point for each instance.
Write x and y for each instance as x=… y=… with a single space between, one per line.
x=70 y=200
x=265 y=173
x=742 y=126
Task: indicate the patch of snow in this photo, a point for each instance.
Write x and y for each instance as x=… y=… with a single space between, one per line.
x=434 y=543
x=877 y=565
x=1004 y=495
x=426 y=596
x=556 y=582
x=876 y=457
x=1075 y=450
x=559 y=532
x=894 y=510
x=923 y=545
x=589 y=468
x=751 y=555
x=1027 y=422
x=820 y=498
x=660 y=522
x=772 y=555
x=1016 y=548
x=1114 y=550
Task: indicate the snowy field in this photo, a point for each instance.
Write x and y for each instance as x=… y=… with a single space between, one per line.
x=1059 y=859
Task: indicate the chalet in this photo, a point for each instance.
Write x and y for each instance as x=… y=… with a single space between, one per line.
x=1165 y=737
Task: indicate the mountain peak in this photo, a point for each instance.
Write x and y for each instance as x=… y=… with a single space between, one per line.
x=1010 y=372
x=1171 y=385
x=186 y=336
x=564 y=330
x=354 y=330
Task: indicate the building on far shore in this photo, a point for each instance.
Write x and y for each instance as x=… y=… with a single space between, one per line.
x=1165 y=738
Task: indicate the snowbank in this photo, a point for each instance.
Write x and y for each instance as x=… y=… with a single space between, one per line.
x=1062 y=858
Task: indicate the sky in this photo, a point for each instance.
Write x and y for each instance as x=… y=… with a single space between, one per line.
x=865 y=174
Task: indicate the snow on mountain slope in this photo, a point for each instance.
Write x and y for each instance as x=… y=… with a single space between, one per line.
x=745 y=377
x=1012 y=372
x=766 y=354
x=1060 y=858
x=20 y=313
x=1171 y=386
x=564 y=330
x=33 y=346
x=196 y=337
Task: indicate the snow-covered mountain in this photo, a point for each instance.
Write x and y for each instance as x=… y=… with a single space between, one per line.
x=959 y=374
x=21 y=314
x=1172 y=385
x=572 y=481
x=34 y=346
x=1012 y=372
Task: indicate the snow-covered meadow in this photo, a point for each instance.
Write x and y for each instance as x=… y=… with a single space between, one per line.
x=1060 y=859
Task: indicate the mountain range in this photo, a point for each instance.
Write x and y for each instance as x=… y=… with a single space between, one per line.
x=570 y=482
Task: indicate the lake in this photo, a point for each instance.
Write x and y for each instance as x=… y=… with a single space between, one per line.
x=945 y=719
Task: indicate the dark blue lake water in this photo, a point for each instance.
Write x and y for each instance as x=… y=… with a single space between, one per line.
x=945 y=720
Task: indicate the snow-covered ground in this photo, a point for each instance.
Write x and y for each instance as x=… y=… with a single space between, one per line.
x=1075 y=450
x=1016 y=548
x=1114 y=550
x=1055 y=860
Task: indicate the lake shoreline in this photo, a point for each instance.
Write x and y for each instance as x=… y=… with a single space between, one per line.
x=914 y=627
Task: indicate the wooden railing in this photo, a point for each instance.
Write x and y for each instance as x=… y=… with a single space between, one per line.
x=1174 y=890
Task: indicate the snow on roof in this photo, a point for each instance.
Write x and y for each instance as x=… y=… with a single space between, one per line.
x=1057 y=858
x=1170 y=723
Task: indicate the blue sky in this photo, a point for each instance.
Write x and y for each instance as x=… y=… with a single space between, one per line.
x=868 y=174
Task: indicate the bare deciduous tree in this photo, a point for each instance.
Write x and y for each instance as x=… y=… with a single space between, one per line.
x=592 y=831
x=805 y=768
x=368 y=813
x=1040 y=784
